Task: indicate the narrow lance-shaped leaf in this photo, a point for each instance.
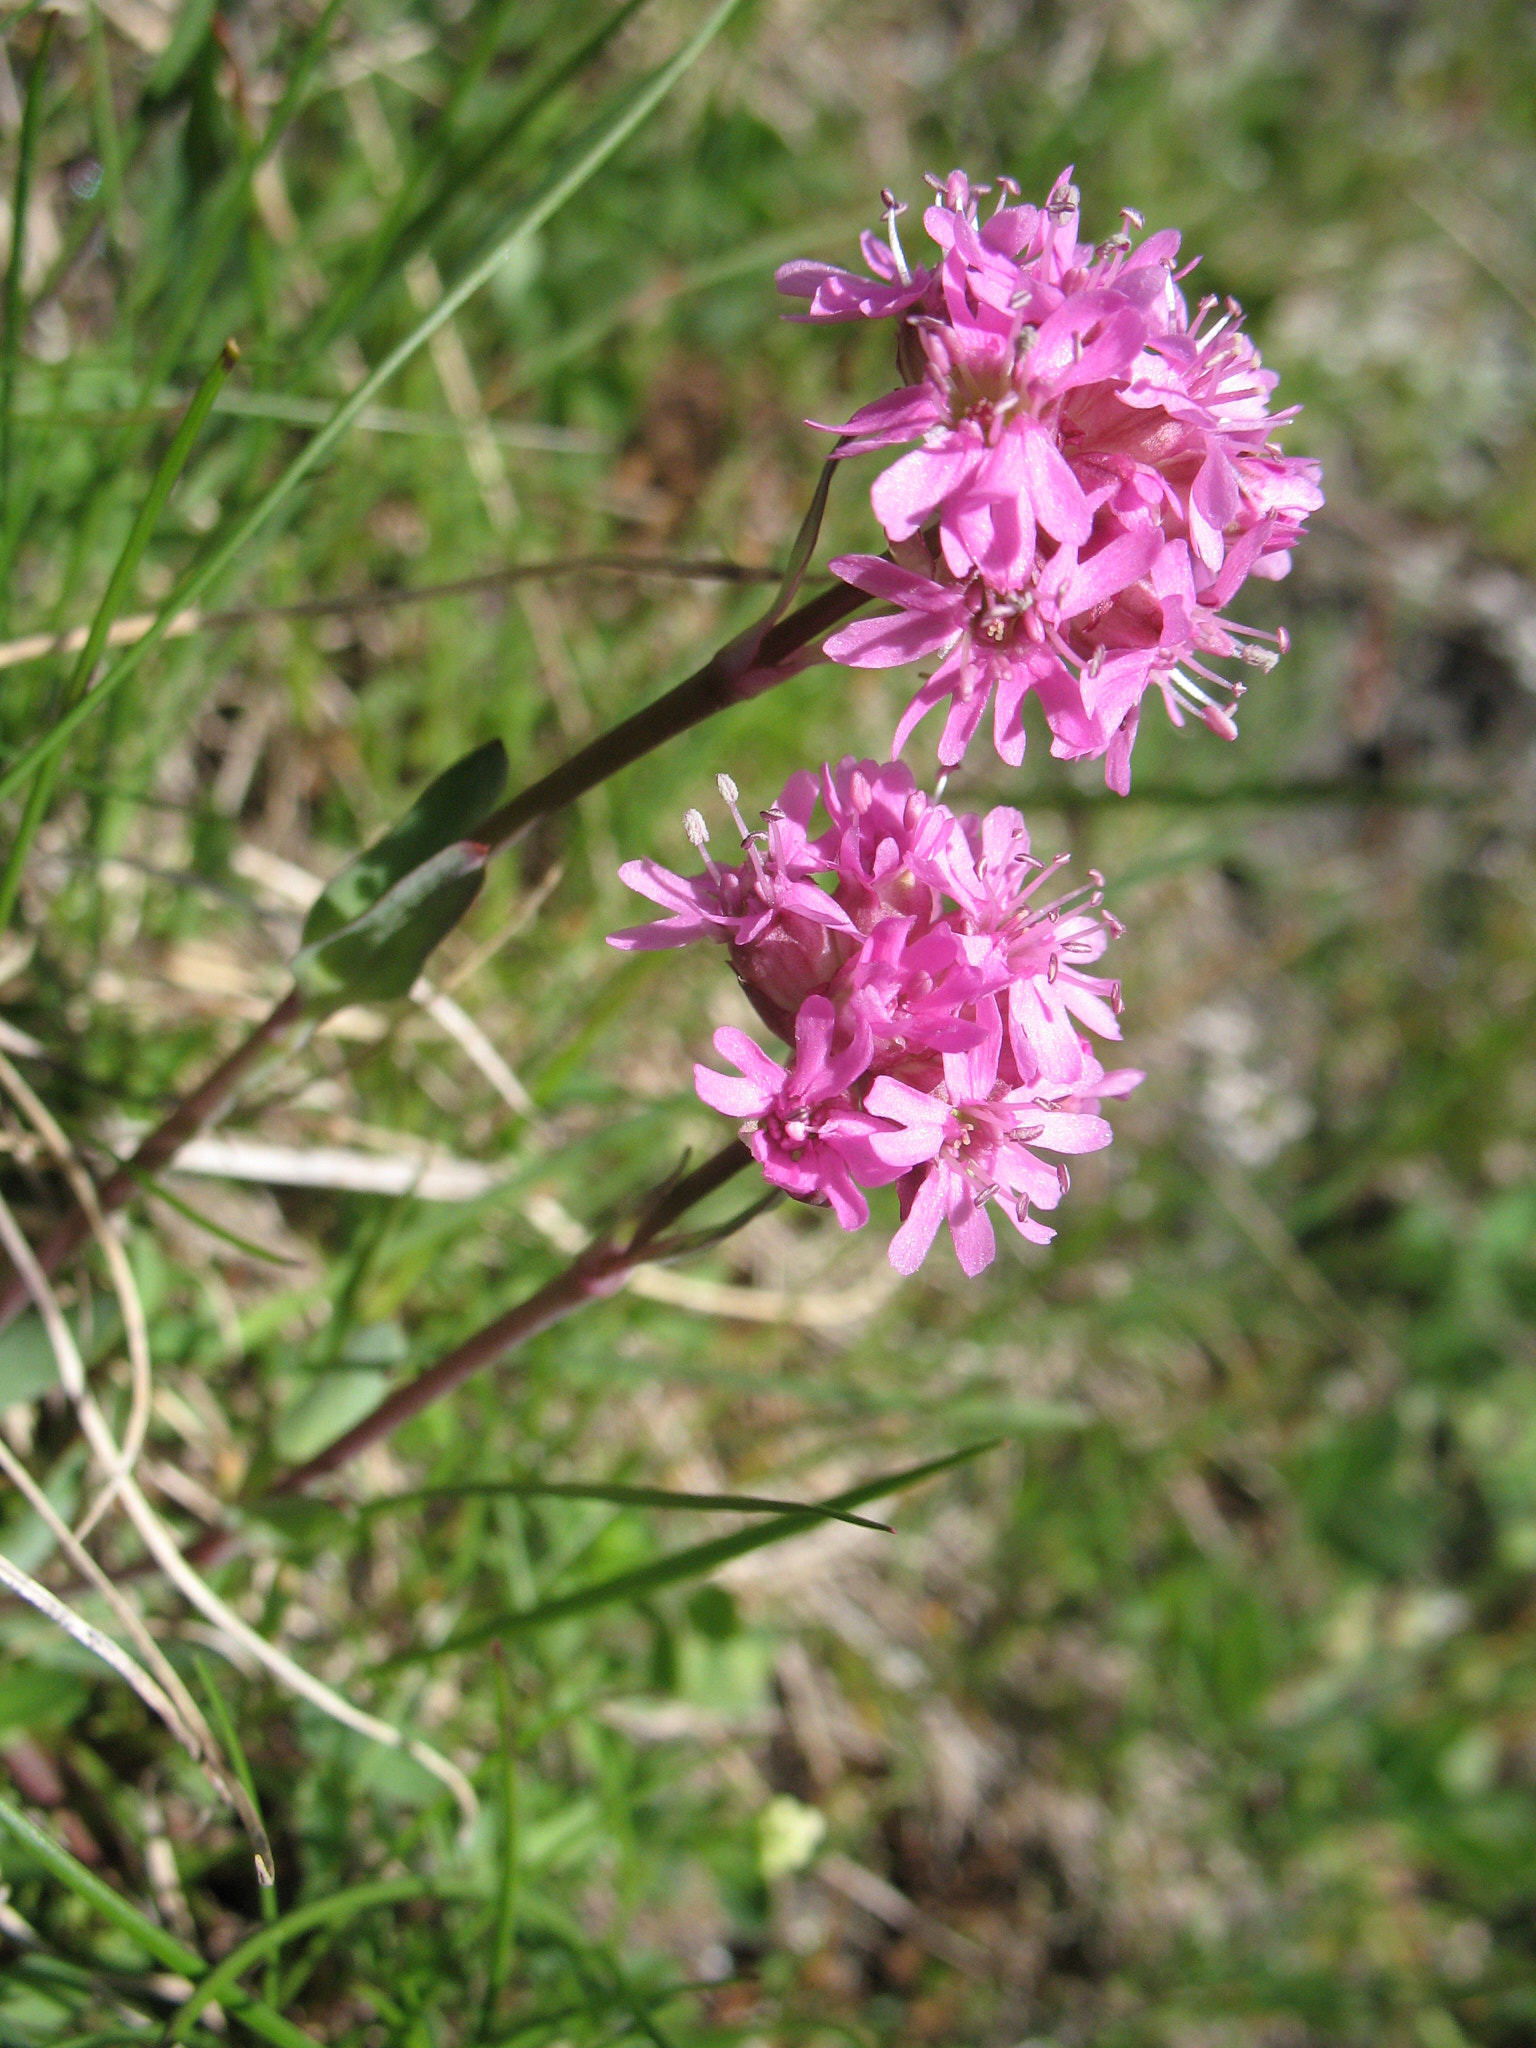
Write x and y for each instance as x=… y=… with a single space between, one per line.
x=693 y=1563
x=620 y=1496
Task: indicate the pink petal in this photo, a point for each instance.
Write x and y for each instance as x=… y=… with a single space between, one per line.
x=734 y=1098
x=1065 y=1131
x=902 y=1104
x=913 y=1242
x=896 y=585
x=889 y=642
x=848 y=1205
x=746 y=1054
x=905 y=495
x=975 y=1244
x=1055 y=493
x=1112 y=569
x=1214 y=501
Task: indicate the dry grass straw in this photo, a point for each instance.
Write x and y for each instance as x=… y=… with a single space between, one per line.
x=117 y=1461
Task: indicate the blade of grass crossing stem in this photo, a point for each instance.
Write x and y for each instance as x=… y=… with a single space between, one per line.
x=692 y=1563
x=15 y=309
x=620 y=1496
x=243 y=1245
x=172 y=464
x=143 y=1932
x=563 y=182
x=219 y=1983
x=500 y=1967
x=224 y=1728
x=230 y=207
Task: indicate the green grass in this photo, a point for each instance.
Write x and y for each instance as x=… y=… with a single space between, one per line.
x=1204 y=1708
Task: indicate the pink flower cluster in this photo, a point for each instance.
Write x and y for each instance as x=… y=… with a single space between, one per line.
x=1094 y=478
x=933 y=1002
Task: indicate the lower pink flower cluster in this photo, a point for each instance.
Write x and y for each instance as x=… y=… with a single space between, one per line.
x=933 y=1000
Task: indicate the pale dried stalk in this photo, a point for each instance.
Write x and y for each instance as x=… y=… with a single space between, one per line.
x=89 y=1637
x=165 y=1551
x=124 y=1286
x=185 y=1721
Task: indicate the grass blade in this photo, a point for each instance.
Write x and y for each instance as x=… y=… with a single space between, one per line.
x=109 y=142
x=562 y=184
x=172 y=464
x=154 y=1941
x=15 y=310
x=224 y=1728
x=621 y=1496
x=500 y=1966
x=244 y=1245
x=694 y=1562
x=399 y=234
x=220 y=1983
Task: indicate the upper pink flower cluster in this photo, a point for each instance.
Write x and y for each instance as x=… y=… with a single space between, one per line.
x=1094 y=481
x=932 y=1002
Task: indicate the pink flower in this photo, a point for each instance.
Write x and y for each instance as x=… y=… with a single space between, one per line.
x=1094 y=480
x=972 y=1136
x=801 y=1126
x=787 y=936
x=933 y=1002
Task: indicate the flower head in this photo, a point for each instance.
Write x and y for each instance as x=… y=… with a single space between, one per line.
x=934 y=992
x=1094 y=479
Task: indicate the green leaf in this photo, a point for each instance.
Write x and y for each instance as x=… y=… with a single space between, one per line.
x=446 y=810
x=620 y=1496
x=692 y=1563
x=378 y=956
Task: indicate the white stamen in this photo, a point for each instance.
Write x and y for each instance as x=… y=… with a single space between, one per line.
x=894 y=208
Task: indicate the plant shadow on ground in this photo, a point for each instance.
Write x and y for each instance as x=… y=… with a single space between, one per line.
x=1203 y=1711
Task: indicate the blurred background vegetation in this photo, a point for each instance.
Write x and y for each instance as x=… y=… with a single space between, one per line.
x=1200 y=1712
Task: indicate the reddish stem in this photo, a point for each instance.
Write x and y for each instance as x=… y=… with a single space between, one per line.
x=721 y=682
x=596 y=1273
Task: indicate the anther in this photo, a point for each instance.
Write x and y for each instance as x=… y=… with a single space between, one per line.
x=1007 y=188
x=1052 y=970
x=1132 y=218
x=1064 y=1178
x=698 y=838
x=729 y=794
x=1116 y=1000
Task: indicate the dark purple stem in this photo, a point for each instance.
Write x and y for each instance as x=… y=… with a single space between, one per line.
x=596 y=1273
